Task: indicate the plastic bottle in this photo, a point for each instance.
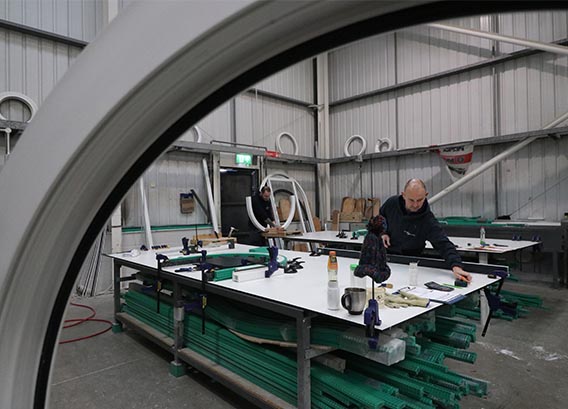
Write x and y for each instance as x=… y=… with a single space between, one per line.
x=332 y=284
x=482 y=236
x=357 y=282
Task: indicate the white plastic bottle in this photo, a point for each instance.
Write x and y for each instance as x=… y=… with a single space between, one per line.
x=332 y=284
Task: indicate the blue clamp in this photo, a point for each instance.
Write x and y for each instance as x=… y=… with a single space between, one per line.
x=273 y=262
x=371 y=318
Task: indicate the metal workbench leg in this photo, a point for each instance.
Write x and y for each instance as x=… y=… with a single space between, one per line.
x=177 y=368
x=116 y=326
x=303 y=326
x=483 y=258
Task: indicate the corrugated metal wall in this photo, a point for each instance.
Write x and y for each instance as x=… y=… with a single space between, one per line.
x=172 y=174
x=530 y=91
x=33 y=66
x=260 y=120
x=295 y=82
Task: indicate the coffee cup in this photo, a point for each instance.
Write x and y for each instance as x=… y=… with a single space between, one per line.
x=354 y=300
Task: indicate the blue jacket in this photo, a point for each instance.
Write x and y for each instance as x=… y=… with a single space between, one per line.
x=409 y=231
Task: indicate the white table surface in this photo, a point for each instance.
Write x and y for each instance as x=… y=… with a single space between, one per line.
x=469 y=244
x=307 y=289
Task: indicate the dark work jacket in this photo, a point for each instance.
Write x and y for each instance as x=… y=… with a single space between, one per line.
x=409 y=231
x=262 y=209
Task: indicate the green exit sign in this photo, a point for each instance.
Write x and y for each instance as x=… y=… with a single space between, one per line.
x=243 y=159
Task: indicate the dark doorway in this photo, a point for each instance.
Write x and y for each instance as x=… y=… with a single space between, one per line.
x=236 y=185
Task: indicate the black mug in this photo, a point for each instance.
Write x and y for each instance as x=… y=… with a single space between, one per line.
x=354 y=300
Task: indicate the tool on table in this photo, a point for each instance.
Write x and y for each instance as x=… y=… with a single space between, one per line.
x=294 y=265
x=371 y=318
x=183 y=269
x=185 y=244
x=160 y=258
x=460 y=283
x=341 y=235
x=273 y=262
x=232 y=230
x=435 y=286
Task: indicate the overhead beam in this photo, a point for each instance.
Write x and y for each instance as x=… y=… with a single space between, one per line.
x=46 y=35
x=281 y=98
x=444 y=74
x=537 y=45
x=493 y=140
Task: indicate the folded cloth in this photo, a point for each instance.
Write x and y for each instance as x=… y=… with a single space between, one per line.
x=401 y=300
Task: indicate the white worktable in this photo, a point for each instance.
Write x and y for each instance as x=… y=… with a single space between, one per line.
x=463 y=244
x=307 y=289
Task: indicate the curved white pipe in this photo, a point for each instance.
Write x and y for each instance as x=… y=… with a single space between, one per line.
x=250 y=213
x=30 y=103
x=292 y=211
x=289 y=135
x=381 y=142
x=198 y=133
x=351 y=139
x=147 y=226
x=212 y=208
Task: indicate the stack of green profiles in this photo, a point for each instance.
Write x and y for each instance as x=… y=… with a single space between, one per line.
x=420 y=381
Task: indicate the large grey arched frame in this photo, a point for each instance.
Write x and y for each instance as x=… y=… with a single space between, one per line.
x=156 y=70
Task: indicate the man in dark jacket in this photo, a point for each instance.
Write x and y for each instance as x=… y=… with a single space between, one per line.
x=262 y=209
x=410 y=222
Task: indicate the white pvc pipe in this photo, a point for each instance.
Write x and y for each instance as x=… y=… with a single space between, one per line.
x=537 y=45
x=351 y=139
x=289 y=135
x=250 y=213
x=292 y=211
x=17 y=96
x=7 y=131
x=212 y=208
x=147 y=226
x=491 y=162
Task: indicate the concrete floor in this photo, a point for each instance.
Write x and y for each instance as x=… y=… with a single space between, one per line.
x=526 y=362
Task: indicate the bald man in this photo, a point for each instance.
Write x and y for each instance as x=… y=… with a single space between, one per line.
x=410 y=222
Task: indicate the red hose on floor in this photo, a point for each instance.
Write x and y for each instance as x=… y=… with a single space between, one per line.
x=78 y=321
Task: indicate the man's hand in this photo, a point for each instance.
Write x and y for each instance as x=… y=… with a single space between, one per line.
x=386 y=240
x=459 y=274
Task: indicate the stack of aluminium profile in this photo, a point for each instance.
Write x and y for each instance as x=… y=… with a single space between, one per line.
x=421 y=381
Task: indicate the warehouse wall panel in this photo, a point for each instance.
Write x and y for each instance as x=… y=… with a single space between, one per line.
x=172 y=174
x=534 y=181
x=260 y=120
x=452 y=109
x=79 y=19
x=533 y=92
x=215 y=126
x=361 y=67
x=371 y=118
x=423 y=51
x=351 y=179
x=32 y=67
x=295 y=82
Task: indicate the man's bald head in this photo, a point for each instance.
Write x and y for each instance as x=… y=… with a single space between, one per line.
x=414 y=195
